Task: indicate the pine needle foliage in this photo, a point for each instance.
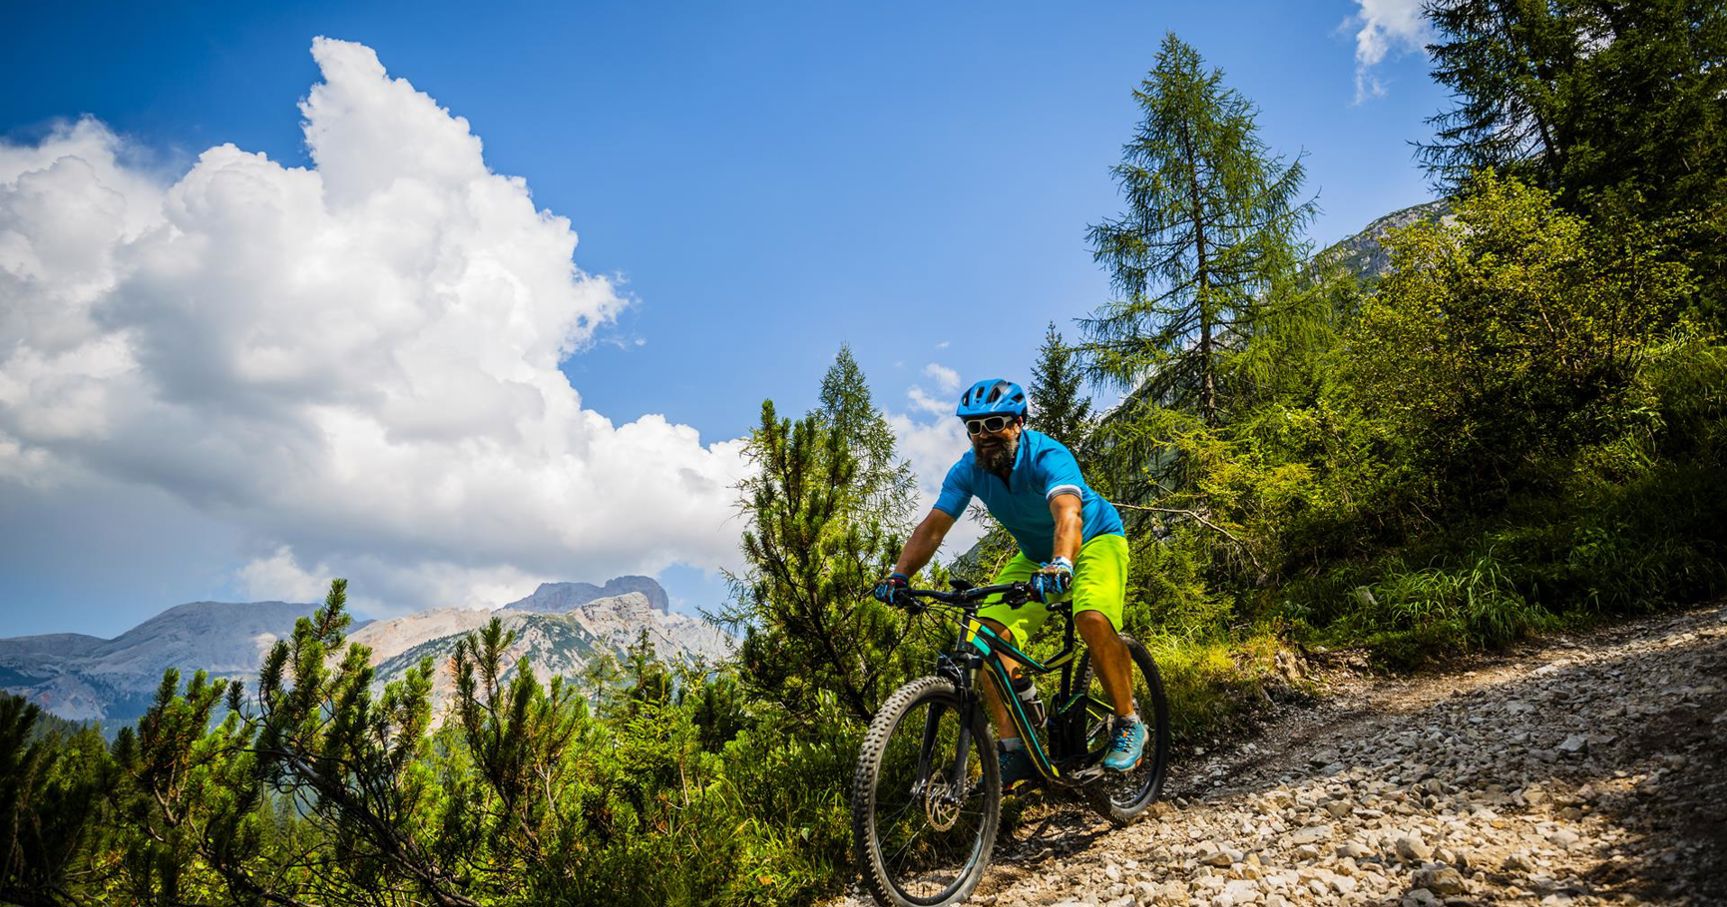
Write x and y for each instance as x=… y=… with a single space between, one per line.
x=1059 y=406
x=812 y=552
x=1212 y=220
x=828 y=507
x=1585 y=98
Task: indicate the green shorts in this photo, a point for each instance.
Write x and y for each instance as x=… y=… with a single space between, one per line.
x=1099 y=584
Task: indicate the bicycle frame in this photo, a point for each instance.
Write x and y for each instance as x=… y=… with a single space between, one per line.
x=924 y=818
x=980 y=651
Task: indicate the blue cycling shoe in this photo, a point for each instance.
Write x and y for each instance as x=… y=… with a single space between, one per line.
x=1016 y=767
x=1126 y=745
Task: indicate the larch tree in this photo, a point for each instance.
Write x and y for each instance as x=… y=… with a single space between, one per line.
x=1212 y=222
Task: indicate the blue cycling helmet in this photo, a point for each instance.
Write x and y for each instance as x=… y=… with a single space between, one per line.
x=992 y=396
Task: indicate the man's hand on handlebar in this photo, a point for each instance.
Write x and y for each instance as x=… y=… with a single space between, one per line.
x=892 y=591
x=1052 y=580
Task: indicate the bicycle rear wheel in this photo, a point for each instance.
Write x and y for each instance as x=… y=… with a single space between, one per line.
x=922 y=835
x=1123 y=796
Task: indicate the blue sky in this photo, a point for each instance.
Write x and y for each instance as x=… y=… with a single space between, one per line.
x=752 y=184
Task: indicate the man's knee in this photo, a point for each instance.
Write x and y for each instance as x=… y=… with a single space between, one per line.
x=997 y=628
x=1089 y=622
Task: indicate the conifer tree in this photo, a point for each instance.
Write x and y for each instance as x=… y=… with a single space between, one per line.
x=828 y=507
x=1212 y=220
x=1508 y=64
x=53 y=779
x=1585 y=97
x=516 y=734
x=349 y=755
x=884 y=482
x=1058 y=408
x=810 y=633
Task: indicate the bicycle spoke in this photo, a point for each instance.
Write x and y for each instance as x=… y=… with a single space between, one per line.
x=1122 y=796
x=926 y=832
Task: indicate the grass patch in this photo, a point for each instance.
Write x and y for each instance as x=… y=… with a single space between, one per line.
x=1214 y=686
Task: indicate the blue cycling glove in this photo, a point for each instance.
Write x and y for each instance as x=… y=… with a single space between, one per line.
x=1053 y=581
x=891 y=591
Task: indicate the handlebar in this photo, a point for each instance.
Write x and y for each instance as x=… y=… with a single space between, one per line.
x=1012 y=594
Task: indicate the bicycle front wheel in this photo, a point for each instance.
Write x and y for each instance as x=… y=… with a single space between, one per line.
x=927 y=797
x=1123 y=796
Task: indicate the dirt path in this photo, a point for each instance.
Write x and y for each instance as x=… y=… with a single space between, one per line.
x=1580 y=771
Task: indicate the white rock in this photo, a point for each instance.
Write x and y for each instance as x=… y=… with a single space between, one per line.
x=1412 y=849
x=1312 y=834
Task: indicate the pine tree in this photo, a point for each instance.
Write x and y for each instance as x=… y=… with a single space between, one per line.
x=1212 y=222
x=810 y=633
x=517 y=734
x=828 y=507
x=55 y=777
x=1057 y=407
x=349 y=756
x=884 y=483
x=1585 y=97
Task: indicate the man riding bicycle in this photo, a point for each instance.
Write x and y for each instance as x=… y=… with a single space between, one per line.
x=1071 y=545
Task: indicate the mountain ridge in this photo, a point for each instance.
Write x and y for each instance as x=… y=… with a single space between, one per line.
x=559 y=597
x=87 y=678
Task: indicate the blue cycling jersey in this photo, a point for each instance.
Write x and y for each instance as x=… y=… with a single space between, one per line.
x=1042 y=469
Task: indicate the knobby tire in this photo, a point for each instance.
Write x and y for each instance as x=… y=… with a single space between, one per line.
x=1123 y=797
x=907 y=857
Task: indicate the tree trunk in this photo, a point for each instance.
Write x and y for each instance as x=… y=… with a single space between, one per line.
x=1202 y=274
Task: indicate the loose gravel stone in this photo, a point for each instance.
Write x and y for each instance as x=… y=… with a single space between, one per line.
x=1412 y=848
x=1441 y=880
x=1312 y=834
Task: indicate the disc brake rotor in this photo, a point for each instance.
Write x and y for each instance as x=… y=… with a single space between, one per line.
x=941 y=803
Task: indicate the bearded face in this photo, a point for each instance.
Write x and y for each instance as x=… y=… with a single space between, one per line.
x=995 y=450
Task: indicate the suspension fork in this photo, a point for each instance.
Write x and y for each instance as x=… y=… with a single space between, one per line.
x=963 y=673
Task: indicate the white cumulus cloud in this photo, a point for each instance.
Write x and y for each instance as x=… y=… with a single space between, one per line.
x=1383 y=26
x=945 y=378
x=931 y=443
x=355 y=364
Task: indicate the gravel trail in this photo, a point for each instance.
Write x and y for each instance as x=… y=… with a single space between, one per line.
x=1586 y=770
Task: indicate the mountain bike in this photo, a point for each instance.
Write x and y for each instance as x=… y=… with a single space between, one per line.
x=926 y=799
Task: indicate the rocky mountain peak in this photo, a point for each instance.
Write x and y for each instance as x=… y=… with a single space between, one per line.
x=560 y=597
x=1365 y=255
x=560 y=626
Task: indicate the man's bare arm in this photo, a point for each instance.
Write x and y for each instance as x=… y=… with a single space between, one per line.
x=1069 y=526
x=924 y=541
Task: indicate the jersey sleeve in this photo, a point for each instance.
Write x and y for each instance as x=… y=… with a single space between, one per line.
x=1059 y=473
x=955 y=491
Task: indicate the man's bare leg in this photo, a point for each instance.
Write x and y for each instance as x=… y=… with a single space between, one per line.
x=1110 y=658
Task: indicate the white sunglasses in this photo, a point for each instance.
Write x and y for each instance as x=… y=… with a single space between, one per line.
x=991 y=424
